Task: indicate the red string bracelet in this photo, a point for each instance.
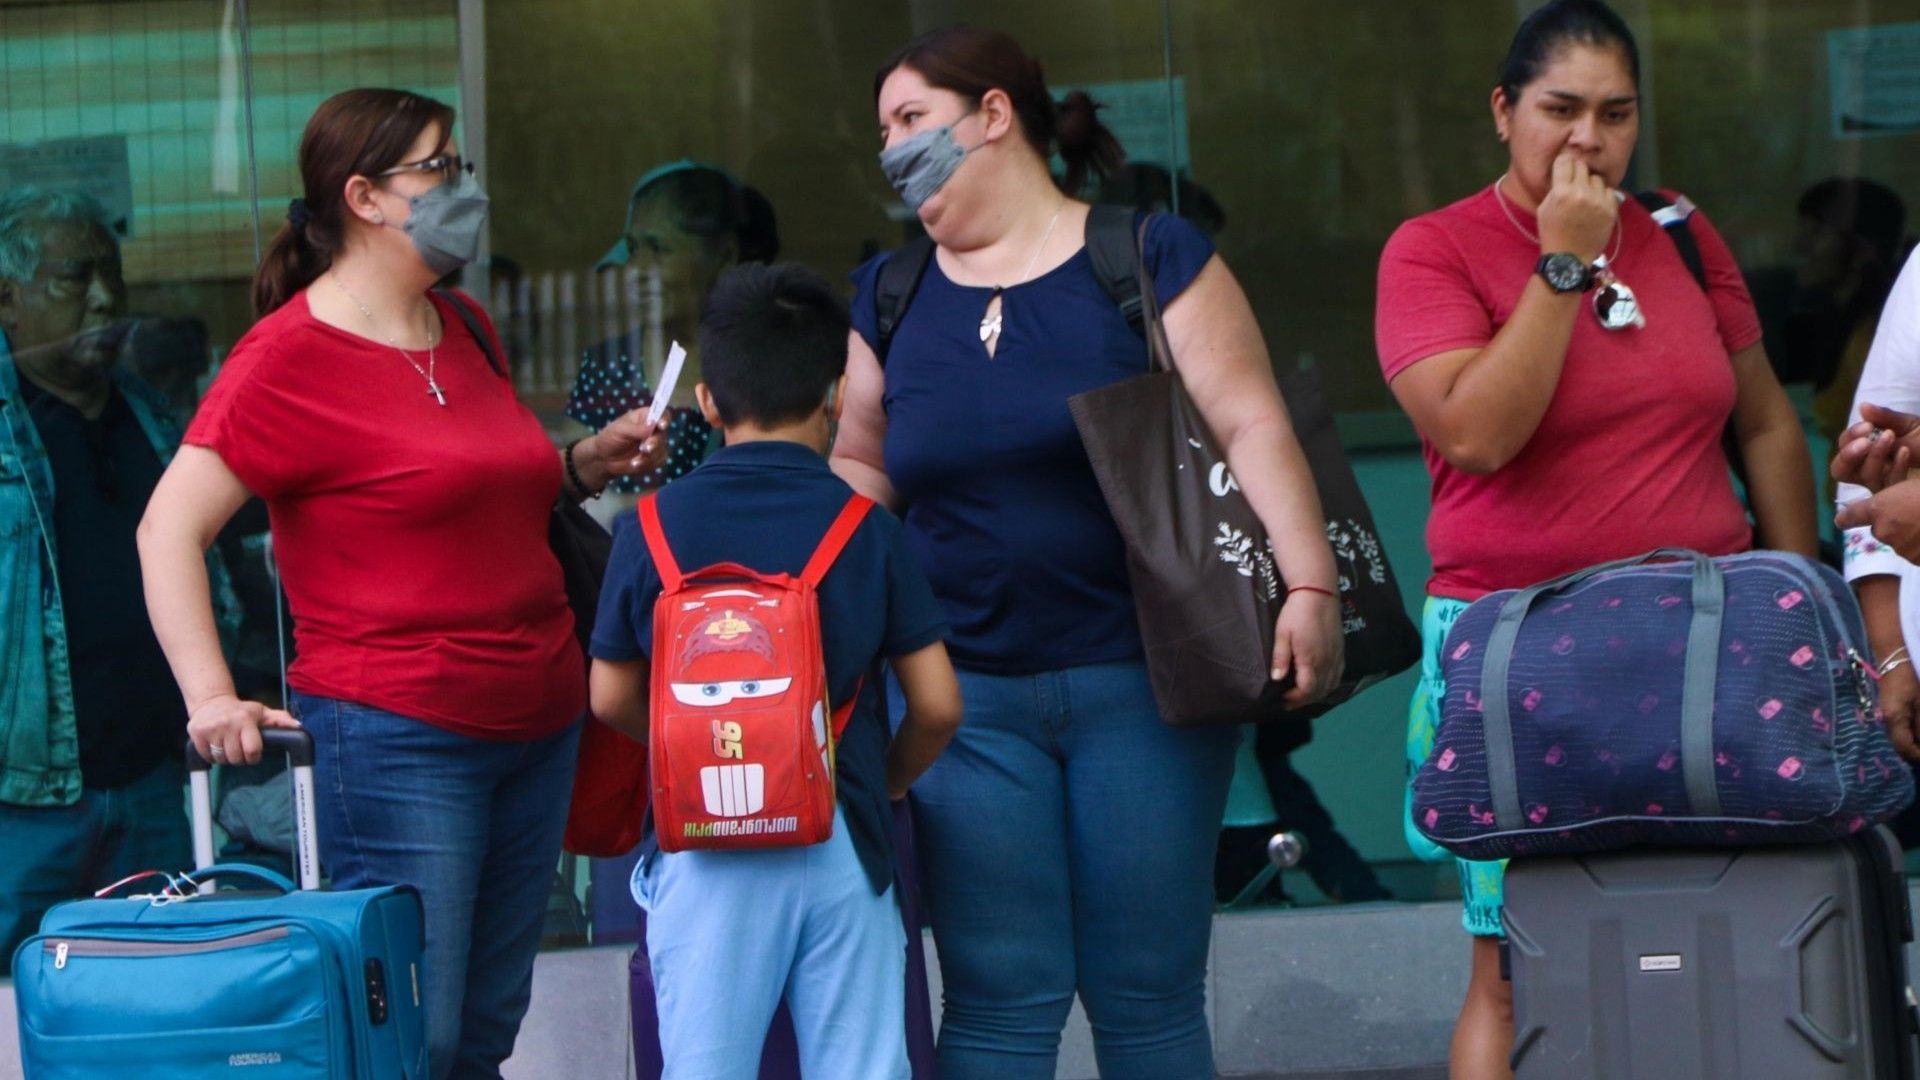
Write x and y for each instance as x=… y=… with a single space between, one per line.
x=1329 y=593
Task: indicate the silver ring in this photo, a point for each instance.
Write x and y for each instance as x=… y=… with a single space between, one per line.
x=218 y=751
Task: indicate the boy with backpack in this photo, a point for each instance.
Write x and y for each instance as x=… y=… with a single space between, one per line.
x=768 y=868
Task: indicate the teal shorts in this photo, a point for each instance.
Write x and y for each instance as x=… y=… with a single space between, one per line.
x=1480 y=882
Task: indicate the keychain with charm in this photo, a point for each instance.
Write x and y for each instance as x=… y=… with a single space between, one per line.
x=1613 y=302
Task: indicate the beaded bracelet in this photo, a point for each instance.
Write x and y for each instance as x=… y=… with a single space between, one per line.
x=573 y=472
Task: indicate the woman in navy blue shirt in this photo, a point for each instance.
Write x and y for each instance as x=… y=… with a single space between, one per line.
x=1067 y=836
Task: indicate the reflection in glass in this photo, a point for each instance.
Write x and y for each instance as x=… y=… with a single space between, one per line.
x=90 y=791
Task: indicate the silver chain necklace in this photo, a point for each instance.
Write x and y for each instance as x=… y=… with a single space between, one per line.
x=427 y=373
x=991 y=321
x=1534 y=238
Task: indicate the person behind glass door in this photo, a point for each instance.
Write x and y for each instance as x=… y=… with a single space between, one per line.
x=1852 y=238
x=687 y=223
x=1540 y=418
x=409 y=491
x=90 y=768
x=1067 y=838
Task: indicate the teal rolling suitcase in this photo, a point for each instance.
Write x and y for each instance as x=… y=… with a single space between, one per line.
x=187 y=982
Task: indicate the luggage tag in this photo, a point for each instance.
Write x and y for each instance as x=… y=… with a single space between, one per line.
x=172 y=894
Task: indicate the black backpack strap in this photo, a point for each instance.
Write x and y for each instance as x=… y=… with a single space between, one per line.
x=893 y=288
x=1113 y=247
x=480 y=335
x=1672 y=218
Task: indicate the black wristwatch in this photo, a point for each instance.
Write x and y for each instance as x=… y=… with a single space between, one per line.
x=1564 y=272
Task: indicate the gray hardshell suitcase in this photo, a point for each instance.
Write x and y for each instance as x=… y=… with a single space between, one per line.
x=1766 y=963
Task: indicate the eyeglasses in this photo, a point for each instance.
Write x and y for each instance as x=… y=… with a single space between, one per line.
x=449 y=166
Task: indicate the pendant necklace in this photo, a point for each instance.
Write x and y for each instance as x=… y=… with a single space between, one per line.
x=1614 y=304
x=991 y=322
x=427 y=373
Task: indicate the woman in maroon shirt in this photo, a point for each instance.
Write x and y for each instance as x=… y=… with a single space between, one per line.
x=409 y=492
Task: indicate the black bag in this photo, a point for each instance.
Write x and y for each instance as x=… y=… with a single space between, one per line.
x=1203 y=577
x=579 y=542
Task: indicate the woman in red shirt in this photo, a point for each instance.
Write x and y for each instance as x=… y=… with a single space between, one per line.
x=409 y=491
x=1571 y=381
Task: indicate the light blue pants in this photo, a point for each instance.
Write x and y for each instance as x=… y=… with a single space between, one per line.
x=731 y=933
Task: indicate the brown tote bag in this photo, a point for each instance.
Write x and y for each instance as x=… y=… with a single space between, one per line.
x=1203 y=576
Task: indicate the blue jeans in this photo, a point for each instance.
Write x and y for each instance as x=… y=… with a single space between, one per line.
x=54 y=853
x=474 y=825
x=732 y=934
x=1066 y=843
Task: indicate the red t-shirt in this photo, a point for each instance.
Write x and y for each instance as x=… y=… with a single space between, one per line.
x=411 y=537
x=1628 y=456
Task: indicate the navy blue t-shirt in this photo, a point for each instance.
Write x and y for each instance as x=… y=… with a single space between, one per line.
x=766 y=505
x=1002 y=506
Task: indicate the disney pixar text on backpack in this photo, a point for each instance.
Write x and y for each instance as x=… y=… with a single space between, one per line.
x=741 y=753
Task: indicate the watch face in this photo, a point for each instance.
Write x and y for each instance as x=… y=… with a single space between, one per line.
x=1564 y=272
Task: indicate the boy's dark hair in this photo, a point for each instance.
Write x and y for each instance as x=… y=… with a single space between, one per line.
x=773 y=339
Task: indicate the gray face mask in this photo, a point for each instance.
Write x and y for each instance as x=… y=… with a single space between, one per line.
x=445 y=223
x=922 y=165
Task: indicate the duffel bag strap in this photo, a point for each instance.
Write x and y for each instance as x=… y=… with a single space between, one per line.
x=1696 y=693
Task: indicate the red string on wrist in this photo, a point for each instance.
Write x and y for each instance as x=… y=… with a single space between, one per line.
x=1329 y=593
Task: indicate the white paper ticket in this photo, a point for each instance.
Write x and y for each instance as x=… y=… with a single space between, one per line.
x=669 y=378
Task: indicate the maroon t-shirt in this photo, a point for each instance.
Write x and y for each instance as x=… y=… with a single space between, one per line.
x=1628 y=456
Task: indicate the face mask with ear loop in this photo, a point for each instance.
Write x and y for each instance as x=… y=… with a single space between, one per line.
x=922 y=165
x=445 y=223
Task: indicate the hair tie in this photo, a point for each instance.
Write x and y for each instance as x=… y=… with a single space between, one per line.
x=298 y=214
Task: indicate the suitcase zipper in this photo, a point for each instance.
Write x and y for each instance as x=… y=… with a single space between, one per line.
x=66 y=947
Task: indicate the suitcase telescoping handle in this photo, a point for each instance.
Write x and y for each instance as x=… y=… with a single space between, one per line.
x=297 y=744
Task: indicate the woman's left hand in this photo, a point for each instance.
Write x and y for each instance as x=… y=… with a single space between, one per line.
x=1308 y=645
x=628 y=447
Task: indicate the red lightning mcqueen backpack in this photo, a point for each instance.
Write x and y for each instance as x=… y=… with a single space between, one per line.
x=740 y=750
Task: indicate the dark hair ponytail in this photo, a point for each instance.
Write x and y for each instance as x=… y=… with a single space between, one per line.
x=353 y=133
x=1555 y=26
x=970 y=61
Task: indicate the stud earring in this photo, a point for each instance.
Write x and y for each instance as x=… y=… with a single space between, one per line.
x=379 y=219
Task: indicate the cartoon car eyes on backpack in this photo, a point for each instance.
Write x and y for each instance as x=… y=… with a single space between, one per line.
x=740 y=746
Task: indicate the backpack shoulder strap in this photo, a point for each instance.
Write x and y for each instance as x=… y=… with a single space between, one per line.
x=843 y=712
x=893 y=288
x=838 y=534
x=1112 y=247
x=480 y=335
x=1672 y=217
x=663 y=561
x=831 y=545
